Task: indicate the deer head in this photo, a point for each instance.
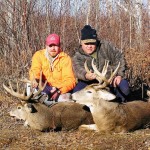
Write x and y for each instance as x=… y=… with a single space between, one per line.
x=97 y=90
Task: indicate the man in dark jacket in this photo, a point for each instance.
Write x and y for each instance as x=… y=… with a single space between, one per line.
x=101 y=50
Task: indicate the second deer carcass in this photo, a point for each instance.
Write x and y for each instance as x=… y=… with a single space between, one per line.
x=59 y=116
x=110 y=116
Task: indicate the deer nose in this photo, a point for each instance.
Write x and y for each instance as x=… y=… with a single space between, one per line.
x=71 y=98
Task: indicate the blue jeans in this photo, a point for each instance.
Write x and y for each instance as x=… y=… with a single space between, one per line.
x=121 y=92
x=47 y=89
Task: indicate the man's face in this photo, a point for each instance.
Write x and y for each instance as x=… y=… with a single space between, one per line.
x=53 y=50
x=88 y=48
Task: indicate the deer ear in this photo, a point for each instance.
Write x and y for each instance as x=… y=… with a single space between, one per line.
x=105 y=95
x=30 y=108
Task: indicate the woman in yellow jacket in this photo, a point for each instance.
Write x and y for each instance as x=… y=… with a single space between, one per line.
x=56 y=67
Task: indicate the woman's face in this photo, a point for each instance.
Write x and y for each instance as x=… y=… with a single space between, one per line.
x=88 y=48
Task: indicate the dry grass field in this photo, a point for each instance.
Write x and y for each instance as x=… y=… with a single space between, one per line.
x=15 y=136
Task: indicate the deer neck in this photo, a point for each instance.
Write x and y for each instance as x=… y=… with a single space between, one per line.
x=99 y=103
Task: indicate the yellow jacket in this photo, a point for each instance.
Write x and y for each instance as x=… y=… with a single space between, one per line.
x=59 y=74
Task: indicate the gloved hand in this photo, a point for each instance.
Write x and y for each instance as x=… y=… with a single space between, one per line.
x=55 y=94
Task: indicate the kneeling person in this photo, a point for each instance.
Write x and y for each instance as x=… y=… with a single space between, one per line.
x=56 y=67
x=101 y=50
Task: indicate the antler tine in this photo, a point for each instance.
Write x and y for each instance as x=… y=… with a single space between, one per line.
x=100 y=75
x=104 y=70
x=25 y=80
x=86 y=67
x=88 y=71
x=17 y=94
x=110 y=79
x=17 y=87
x=40 y=87
x=10 y=86
x=114 y=73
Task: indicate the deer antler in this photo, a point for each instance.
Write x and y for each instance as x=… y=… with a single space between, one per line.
x=88 y=71
x=23 y=96
x=101 y=75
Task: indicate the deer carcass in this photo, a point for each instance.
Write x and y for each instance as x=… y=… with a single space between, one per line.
x=110 y=116
x=59 y=116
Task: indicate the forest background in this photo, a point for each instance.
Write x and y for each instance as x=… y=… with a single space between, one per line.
x=24 y=25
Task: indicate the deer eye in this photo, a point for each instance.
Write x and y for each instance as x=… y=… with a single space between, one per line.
x=18 y=107
x=89 y=92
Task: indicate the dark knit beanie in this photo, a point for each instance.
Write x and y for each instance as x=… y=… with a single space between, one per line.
x=88 y=34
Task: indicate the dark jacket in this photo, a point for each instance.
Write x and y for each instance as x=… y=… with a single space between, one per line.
x=105 y=51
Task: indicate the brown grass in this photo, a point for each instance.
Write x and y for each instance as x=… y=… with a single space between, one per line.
x=15 y=136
